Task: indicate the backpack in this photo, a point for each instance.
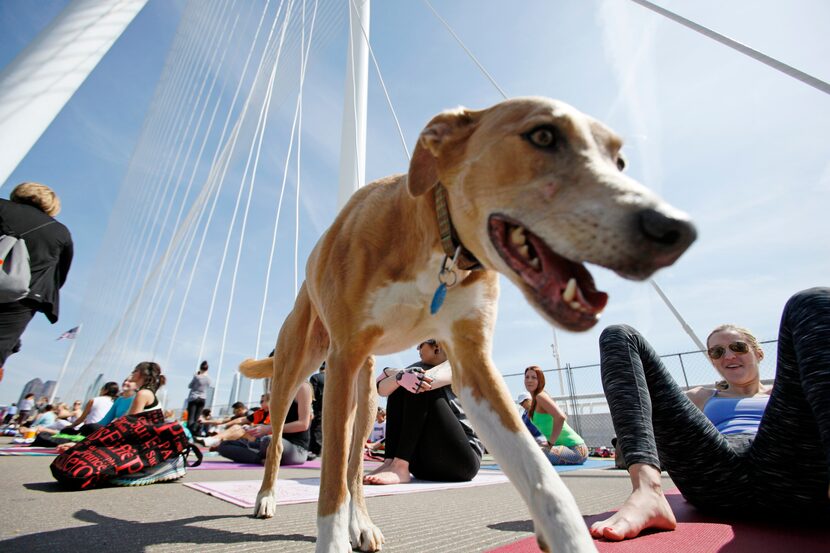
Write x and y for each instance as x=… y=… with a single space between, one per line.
x=15 y=274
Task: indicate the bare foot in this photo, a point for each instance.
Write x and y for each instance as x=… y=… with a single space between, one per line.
x=383 y=466
x=397 y=472
x=644 y=508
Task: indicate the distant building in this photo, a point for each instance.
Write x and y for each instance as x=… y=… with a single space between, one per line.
x=31 y=387
x=48 y=388
x=234 y=390
x=38 y=387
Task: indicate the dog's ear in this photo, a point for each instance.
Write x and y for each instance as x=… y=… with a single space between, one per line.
x=442 y=135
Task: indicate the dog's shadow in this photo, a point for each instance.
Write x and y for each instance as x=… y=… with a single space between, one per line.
x=132 y=536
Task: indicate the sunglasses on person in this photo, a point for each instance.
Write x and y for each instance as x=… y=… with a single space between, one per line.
x=716 y=352
x=431 y=342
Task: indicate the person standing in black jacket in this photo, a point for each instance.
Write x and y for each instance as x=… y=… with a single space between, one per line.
x=31 y=211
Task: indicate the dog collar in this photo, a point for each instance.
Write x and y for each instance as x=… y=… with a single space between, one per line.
x=465 y=259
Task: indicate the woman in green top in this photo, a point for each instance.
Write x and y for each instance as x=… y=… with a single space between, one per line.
x=565 y=446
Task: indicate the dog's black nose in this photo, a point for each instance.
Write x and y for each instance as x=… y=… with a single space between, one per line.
x=666 y=231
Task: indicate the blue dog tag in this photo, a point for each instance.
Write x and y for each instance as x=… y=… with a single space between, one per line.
x=438 y=299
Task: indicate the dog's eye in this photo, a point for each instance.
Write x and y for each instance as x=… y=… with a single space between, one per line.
x=621 y=163
x=545 y=137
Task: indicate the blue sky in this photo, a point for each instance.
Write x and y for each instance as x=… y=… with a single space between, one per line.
x=734 y=143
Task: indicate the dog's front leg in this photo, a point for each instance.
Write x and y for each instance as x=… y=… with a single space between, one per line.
x=333 y=507
x=364 y=535
x=484 y=396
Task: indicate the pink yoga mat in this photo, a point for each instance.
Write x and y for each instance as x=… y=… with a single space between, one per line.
x=26 y=450
x=697 y=533
x=226 y=465
x=306 y=490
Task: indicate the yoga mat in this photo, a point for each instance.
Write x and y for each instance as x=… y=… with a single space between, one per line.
x=227 y=465
x=589 y=464
x=224 y=465
x=306 y=490
x=698 y=533
x=28 y=451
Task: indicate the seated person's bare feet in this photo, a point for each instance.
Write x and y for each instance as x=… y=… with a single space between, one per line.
x=395 y=472
x=644 y=508
x=383 y=466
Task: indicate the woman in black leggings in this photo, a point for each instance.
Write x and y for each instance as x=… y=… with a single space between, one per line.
x=721 y=465
x=427 y=432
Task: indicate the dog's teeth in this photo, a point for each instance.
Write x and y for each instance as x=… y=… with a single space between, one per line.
x=525 y=251
x=575 y=305
x=570 y=291
x=517 y=236
x=535 y=263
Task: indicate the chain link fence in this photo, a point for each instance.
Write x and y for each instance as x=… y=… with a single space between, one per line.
x=578 y=389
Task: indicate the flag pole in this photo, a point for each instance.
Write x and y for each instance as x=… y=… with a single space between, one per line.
x=65 y=364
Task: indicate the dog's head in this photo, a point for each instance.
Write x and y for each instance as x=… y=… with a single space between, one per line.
x=535 y=190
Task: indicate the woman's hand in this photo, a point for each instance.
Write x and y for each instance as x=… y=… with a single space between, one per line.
x=414 y=381
x=65 y=447
x=259 y=431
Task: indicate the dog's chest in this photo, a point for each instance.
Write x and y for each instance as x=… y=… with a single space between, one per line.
x=399 y=302
x=402 y=308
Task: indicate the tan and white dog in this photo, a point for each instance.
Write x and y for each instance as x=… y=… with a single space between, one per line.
x=530 y=188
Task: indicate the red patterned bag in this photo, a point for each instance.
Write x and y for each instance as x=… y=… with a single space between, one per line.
x=125 y=446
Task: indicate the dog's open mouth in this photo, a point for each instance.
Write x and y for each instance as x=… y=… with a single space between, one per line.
x=562 y=288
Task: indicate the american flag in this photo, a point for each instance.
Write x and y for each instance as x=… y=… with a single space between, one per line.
x=69 y=334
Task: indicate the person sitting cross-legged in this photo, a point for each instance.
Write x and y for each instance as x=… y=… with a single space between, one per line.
x=428 y=435
x=562 y=446
x=237 y=428
x=250 y=444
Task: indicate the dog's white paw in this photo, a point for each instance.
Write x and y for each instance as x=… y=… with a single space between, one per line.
x=365 y=536
x=266 y=504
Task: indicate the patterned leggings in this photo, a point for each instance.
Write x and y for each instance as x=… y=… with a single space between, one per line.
x=783 y=470
x=567 y=455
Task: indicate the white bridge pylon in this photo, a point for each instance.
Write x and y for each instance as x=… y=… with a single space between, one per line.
x=36 y=85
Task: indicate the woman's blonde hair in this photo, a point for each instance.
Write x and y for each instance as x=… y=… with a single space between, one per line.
x=750 y=338
x=37 y=195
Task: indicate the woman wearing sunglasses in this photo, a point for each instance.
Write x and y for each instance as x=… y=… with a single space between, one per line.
x=738 y=449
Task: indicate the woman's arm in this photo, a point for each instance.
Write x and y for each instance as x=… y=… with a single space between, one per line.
x=304 y=414
x=82 y=418
x=142 y=399
x=441 y=376
x=303 y=421
x=386 y=382
x=550 y=407
x=64 y=262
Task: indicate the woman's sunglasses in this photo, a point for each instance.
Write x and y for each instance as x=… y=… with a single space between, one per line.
x=717 y=352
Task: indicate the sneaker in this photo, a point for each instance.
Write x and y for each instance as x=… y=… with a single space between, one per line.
x=165 y=472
